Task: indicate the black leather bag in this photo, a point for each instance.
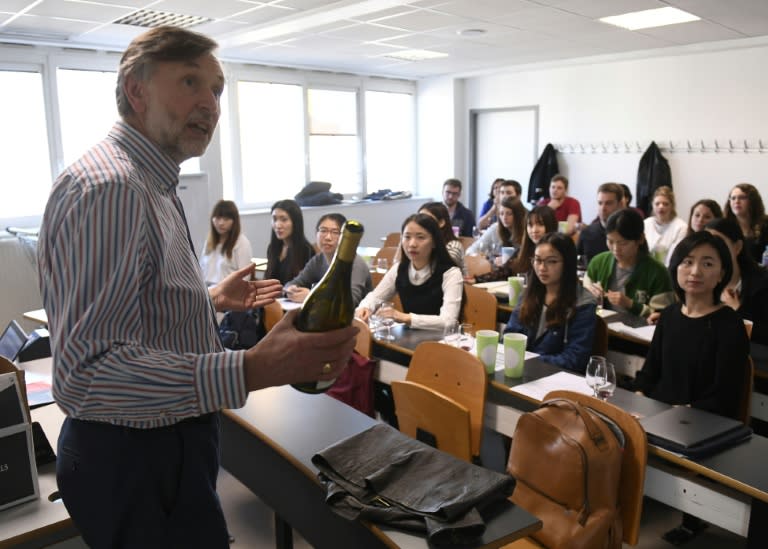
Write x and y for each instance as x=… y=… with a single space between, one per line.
x=241 y=329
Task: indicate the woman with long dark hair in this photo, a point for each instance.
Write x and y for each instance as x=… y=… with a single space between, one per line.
x=627 y=278
x=556 y=312
x=702 y=212
x=426 y=280
x=508 y=231
x=745 y=205
x=747 y=290
x=226 y=249
x=453 y=244
x=699 y=350
x=288 y=250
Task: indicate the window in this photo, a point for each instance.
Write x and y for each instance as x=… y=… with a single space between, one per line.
x=26 y=158
x=333 y=142
x=271 y=129
x=389 y=140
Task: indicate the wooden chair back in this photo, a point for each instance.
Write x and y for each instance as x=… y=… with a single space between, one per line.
x=363 y=340
x=634 y=459
x=476 y=265
x=376 y=277
x=745 y=405
x=600 y=343
x=392 y=239
x=456 y=374
x=479 y=308
x=466 y=241
x=272 y=314
x=389 y=253
x=420 y=408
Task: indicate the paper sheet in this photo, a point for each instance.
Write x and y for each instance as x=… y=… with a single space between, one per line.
x=539 y=388
x=643 y=332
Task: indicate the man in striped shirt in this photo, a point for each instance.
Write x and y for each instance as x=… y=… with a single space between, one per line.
x=137 y=365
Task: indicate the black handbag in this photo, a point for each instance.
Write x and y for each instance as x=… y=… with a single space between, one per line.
x=241 y=329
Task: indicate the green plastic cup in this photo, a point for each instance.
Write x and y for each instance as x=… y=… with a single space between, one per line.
x=514 y=354
x=487 y=344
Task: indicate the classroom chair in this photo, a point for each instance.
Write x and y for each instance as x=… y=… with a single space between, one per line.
x=476 y=265
x=479 y=308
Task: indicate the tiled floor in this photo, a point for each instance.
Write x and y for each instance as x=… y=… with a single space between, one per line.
x=250 y=522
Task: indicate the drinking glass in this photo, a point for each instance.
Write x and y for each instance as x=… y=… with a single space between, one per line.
x=384 y=313
x=466 y=339
x=595 y=372
x=382 y=265
x=451 y=333
x=607 y=381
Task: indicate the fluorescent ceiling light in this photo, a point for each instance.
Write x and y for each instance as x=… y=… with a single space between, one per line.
x=415 y=55
x=647 y=19
x=308 y=20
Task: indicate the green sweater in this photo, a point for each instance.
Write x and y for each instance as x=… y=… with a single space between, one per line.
x=649 y=285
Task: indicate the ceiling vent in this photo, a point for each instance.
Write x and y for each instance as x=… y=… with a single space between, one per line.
x=152 y=18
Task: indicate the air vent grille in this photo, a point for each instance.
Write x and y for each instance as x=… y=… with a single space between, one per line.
x=153 y=18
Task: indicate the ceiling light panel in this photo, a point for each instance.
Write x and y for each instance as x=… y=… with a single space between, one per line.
x=152 y=18
x=647 y=19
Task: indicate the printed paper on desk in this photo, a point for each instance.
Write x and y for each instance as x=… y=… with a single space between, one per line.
x=605 y=313
x=539 y=388
x=497 y=288
x=643 y=332
x=500 y=356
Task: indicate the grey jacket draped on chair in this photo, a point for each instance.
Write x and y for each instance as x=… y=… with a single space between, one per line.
x=384 y=476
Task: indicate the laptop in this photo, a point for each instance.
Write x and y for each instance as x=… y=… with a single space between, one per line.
x=686 y=427
x=12 y=341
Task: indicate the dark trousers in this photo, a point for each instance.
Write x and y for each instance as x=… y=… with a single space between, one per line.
x=143 y=488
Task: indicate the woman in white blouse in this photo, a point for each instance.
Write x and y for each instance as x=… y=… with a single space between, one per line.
x=664 y=230
x=428 y=283
x=226 y=249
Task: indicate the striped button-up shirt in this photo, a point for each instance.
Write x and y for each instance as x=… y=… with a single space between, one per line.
x=132 y=330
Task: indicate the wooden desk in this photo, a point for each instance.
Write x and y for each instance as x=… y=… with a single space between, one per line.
x=268 y=445
x=42 y=522
x=733 y=492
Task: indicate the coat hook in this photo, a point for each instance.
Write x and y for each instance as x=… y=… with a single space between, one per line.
x=746 y=146
x=671 y=146
x=615 y=147
x=637 y=144
x=717 y=146
x=760 y=145
x=730 y=146
x=703 y=147
x=688 y=142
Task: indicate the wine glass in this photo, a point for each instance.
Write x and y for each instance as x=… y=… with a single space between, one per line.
x=595 y=372
x=384 y=312
x=382 y=264
x=607 y=382
x=451 y=333
x=466 y=339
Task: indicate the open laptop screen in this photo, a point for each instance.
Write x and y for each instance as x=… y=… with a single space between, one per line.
x=12 y=341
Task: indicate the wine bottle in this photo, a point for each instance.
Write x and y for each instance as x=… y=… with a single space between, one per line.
x=329 y=305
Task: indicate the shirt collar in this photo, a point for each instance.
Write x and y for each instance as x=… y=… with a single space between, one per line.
x=162 y=166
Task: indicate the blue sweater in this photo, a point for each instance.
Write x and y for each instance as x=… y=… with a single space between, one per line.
x=566 y=346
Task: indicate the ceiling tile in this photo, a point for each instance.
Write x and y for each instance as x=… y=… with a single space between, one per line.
x=594 y=9
x=483 y=10
x=419 y=20
x=364 y=31
x=695 y=31
x=80 y=11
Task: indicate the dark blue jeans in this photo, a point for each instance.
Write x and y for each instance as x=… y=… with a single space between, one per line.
x=143 y=488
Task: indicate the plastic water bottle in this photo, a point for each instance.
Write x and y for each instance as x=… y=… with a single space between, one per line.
x=765 y=257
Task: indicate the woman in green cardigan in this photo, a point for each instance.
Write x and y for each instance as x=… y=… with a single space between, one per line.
x=627 y=278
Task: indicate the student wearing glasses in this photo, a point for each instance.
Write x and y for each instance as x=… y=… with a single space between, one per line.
x=627 y=278
x=556 y=312
x=327 y=240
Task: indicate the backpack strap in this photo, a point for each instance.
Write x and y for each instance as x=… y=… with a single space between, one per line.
x=595 y=434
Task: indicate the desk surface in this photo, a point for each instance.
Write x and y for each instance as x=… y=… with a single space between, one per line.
x=295 y=426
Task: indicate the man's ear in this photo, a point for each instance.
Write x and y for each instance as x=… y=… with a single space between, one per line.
x=136 y=92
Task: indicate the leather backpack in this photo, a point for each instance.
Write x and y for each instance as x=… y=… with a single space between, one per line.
x=566 y=460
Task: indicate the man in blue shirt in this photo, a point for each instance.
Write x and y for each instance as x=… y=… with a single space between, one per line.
x=461 y=216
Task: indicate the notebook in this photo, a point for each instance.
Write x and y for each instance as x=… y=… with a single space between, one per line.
x=686 y=427
x=12 y=341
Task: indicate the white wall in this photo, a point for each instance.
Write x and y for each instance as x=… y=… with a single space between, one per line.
x=708 y=95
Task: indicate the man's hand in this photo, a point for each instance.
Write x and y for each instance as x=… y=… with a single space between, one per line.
x=286 y=355
x=238 y=293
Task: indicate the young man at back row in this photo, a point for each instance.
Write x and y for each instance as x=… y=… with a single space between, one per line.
x=592 y=237
x=461 y=216
x=138 y=368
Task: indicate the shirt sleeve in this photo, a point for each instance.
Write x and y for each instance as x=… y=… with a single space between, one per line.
x=384 y=290
x=453 y=288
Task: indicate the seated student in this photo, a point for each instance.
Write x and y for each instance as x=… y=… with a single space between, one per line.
x=747 y=290
x=566 y=208
x=702 y=212
x=556 y=312
x=328 y=236
x=428 y=283
x=288 y=249
x=699 y=350
x=626 y=278
x=226 y=249
x=538 y=222
x=745 y=205
x=438 y=212
x=592 y=237
x=488 y=210
x=508 y=231
x=663 y=230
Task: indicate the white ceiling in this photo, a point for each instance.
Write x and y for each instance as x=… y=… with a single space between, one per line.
x=357 y=35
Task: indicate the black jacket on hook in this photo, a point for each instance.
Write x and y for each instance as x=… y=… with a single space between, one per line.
x=652 y=173
x=543 y=172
